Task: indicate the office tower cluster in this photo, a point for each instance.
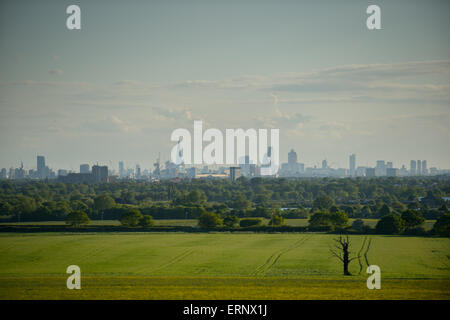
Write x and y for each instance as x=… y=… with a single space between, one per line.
x=419 y=168
x=245 y=168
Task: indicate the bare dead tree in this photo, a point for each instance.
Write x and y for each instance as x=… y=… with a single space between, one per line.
x=342 y=252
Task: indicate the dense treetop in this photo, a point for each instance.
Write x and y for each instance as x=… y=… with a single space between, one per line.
x=357 y=197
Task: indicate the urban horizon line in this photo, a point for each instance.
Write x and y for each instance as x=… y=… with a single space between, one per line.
x=291 y=168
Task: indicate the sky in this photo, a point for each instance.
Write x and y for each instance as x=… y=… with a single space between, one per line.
x=137 y=70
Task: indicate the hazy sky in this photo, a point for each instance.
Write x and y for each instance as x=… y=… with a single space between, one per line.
x=137 y=70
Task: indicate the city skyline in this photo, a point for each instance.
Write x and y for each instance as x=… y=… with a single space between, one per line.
x=169 y=170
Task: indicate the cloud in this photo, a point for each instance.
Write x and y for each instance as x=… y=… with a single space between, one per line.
x=56 y=72
x=410 y=82
x=181 y=114
x=110 y=124
x=275 y=99
x=285 y=120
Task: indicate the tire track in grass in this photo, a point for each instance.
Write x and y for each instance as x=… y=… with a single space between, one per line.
x=261 y=267
x=174 y=260
x=295 y=246
x=94 y=252
x=273 y=259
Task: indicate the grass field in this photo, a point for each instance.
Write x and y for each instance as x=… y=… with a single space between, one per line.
x=217 y=266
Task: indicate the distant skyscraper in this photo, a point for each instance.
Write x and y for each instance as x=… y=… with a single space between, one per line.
x=62 y=172
x=121 y=170
x=43 y=171
x=403 y=171
x=392 y=172
x=352 y=165
x=380 y=169
x=19 y=173
x=3 y=174
x=100 y=173
x=370 y=172
x=267 y=160
x=301 y=167
x=324 y=164
x=84 y=168
x=389 y=165
x=40 y=164
x=292 y=167
x=292 y=157
x=138 y=172
x=361 y=171
x=424 y=167
x=419 y=168
x=235 y=172
x=412 y=168
x=192 y=172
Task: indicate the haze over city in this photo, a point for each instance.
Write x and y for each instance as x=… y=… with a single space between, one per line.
x=225 y=158
x=115 y=90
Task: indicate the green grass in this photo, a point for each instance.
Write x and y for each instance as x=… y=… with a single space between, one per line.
x=217 y=266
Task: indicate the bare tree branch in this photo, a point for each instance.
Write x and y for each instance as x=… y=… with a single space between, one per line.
x=342 y=252
x=336 y=255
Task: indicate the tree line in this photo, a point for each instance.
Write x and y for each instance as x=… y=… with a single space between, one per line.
x=320 y=200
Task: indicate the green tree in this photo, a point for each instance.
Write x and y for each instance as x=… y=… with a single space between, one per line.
x=77 y=218
x=250 y=222
x=103 y=202
x=79 y=205
x=276 y=220
x=414 y=205
x=334 y=209
x=339 y=219
x=62 y=208
x=130 y=217
x=349 y=211
x=196 y=197
x=259 y=212
x=209 y=220
x=358 y=225
x=390 y=224
x=412 y=218
x=146 y=221
x=262 y=199
x=240 y=203
x=230 y=221
x=398 y=206
x=442 y=225
x=336 y=219
x=384 y=211
x=322 y=202
x=318 y=219
x=5 y=208
x=366 y=212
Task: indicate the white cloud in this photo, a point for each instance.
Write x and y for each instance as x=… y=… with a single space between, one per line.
x=56 y=72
